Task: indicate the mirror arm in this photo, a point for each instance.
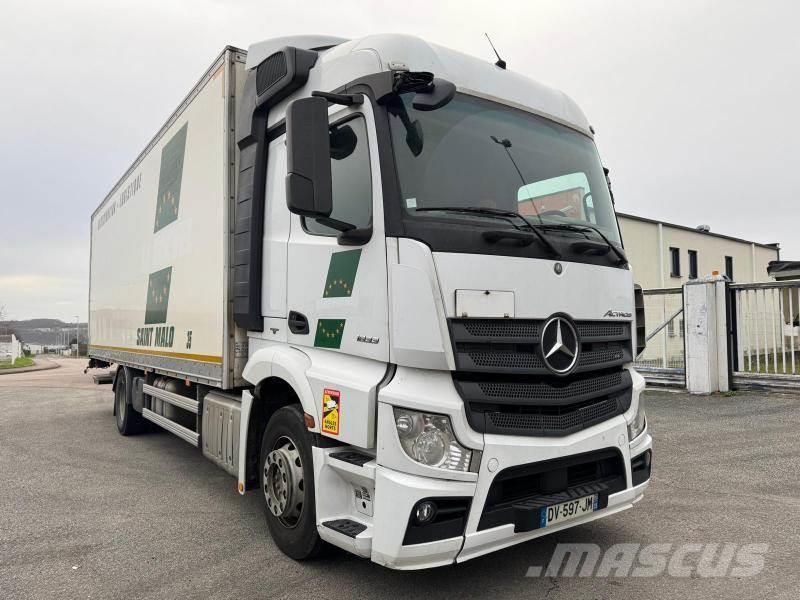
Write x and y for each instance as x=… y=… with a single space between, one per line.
x=357 y=236
x=334 y=223
x=343 y=99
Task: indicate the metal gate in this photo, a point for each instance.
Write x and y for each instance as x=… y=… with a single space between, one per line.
x=663 y=360
x=765 y=341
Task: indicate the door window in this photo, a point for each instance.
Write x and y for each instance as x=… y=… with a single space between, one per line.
x=351 y=178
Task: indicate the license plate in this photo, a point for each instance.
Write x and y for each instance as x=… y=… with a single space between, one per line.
x=564 y=511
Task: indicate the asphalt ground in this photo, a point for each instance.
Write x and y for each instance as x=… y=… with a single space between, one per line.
x=86 y=513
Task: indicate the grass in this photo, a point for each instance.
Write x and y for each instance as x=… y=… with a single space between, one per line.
x=766 y=363
x=22 y=361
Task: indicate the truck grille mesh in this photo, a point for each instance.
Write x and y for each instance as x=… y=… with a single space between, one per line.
x=508 y=389
x=502 y=328
x=530 y=359
x=543 y=390
x=601 y=329
x=562 y=418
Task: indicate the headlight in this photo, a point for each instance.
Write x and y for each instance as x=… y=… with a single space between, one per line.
x=429 y=440
x=639 y=422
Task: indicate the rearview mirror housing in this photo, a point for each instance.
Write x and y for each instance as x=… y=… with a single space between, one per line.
x=440 y=93
x=308 y=157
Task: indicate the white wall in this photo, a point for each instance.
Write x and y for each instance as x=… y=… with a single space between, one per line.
x=14 y=347
x=648 y=249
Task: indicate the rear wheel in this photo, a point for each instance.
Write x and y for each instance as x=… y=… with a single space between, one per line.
x=129 y=422
x=287 y=484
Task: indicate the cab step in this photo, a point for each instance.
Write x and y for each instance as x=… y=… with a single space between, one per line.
x=354 y=458
x=346 y=527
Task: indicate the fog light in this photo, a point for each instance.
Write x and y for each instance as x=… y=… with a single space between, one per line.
x=425 y=512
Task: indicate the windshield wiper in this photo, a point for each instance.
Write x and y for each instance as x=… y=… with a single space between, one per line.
x=501 y=214
x=623 y=260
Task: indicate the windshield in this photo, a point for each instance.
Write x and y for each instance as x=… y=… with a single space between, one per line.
x=481 y=154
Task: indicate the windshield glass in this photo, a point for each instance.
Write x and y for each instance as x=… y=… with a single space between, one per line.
x=481 y=154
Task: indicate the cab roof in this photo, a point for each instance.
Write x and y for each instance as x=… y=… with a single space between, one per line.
x=342 y=61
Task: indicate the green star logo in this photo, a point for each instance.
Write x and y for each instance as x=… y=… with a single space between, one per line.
x=342 y=274
x=158 y=296
x=329 y=333
x=169 y=179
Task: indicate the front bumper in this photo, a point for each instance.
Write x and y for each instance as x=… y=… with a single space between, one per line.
x=399 y=486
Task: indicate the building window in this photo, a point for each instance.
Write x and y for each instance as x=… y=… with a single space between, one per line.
x=692 y=264
x=729 y=267
x=671 y=328
x=675 y=262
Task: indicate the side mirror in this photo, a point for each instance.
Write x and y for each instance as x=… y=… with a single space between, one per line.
x=308 y=156
x=439 y=94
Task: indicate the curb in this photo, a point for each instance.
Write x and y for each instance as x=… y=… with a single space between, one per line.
x=35 y=367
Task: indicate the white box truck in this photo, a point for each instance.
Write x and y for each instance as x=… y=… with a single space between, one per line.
x=381 y=283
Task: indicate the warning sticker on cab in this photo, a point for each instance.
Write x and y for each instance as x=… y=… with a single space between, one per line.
x=331 y=409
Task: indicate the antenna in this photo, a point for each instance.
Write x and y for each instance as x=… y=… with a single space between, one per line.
x=500 y=62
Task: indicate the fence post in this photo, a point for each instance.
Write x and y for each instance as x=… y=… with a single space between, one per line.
x=706 y=335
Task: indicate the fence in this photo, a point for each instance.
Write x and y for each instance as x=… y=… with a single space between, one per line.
x=766 y=330
x=663 y=314
x=662 y=361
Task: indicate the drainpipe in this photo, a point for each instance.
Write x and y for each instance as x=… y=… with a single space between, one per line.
x=663 y=285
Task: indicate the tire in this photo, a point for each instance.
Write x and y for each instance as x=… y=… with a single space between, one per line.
x=129 y=422
x=285 y=441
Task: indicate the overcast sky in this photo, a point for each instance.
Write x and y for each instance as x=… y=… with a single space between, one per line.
x=695 y=104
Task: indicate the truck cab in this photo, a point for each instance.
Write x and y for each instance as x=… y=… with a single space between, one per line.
x=457 y=303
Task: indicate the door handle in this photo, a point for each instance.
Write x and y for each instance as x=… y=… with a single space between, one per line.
x=298 y=323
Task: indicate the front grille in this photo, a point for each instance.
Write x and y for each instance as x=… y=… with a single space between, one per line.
x=512 y=345
x=502 y=328
x=543 y=406
x=546 y=390
x=597 y=329
x=555 y=418
x=529 y=359
x=508 y=389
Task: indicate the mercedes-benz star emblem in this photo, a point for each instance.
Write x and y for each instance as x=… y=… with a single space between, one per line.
x=560 y=345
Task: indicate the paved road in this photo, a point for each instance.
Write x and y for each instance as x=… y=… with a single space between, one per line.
x=85 y=513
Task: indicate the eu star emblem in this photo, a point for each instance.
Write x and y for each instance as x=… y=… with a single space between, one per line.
x=342 y=274
x=169 y=179
x=158 y=296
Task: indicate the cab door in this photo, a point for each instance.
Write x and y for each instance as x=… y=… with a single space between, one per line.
x=337 y=294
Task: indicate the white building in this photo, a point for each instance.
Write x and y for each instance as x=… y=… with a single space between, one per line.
x=10 y=348
x=666 y=255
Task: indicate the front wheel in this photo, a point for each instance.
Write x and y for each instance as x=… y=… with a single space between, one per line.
x=287 y=484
